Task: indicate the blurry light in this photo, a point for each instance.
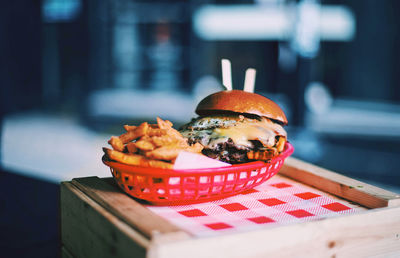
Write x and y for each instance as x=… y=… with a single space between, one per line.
x=241 y=22
x=271 y=22
x=307 y=29
x=337 y=23
x=61 y=10
x=276 y=2
x=318 y=98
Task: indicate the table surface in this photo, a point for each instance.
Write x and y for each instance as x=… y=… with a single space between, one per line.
x=51 y=148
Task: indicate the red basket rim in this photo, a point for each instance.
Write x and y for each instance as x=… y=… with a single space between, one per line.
x=172 y=172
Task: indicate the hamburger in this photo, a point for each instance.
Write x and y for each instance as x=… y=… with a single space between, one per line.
x=236 y=126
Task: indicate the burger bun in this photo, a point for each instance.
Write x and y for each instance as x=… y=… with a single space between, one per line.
x=241 y=102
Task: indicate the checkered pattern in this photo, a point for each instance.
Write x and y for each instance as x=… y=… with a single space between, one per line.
x=278 y=201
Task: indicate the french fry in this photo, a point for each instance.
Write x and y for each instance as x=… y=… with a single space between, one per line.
x=135 y=159
x=262 y=155
x=133 y=127
x=131 y=147
x=169 y=123
x=116 y=143
x=156 y=132
x=163 y=124
x=129 y=127
x=175 y=133
x=167 y=140
x=280 y=145
x=164 y=153
x=170 y=152
x=196 y=148
x=149 y=145
x=130 y=159
x=134 y=134
x=145 y=144
x=160 y=164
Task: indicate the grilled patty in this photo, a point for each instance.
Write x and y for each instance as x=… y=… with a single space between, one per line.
x=231 y=138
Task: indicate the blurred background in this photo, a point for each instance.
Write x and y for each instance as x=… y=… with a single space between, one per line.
x=74 y=71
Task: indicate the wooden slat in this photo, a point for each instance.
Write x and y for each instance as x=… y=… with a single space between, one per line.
x=322 y=193
x=339 y=185
x=373 y=233
x=89 y=230
x=125 y=207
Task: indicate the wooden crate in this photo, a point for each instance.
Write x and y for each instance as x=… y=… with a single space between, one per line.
x=99 y=220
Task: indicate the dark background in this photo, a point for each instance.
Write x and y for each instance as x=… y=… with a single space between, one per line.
x=56 y=55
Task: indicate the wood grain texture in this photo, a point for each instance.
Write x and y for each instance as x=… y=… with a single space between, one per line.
x=350 y=189
x=89 y=230
x=124 y=207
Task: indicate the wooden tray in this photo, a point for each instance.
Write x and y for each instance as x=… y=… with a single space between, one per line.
x=99 y=220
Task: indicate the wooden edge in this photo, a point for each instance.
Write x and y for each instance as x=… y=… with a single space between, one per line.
x=125 y=208
x=84 y=221
x=350 y=189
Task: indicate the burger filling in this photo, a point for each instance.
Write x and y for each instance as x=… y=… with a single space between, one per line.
x=236 y=139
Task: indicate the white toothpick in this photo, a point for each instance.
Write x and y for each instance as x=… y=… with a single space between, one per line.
x=226 y=74
x=250 y=80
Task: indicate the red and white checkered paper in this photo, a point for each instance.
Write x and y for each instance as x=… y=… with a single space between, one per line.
x=279 y=201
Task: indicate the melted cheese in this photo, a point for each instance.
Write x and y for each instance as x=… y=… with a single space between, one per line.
x=215 y=130
x=242 y=133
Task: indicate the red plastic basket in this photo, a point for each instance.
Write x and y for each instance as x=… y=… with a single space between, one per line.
x=175 y=187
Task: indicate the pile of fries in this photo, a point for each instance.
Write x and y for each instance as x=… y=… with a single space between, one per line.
x=149 y=145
